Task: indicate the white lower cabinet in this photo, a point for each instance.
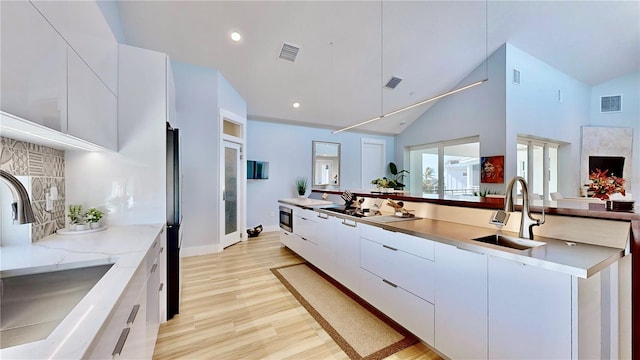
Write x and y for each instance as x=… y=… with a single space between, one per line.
x=412 y=312
x=118 y=332
x=461 y=303
x=397 y=277
x=326 y=244
x=347 y=239
x=529 y=312
x=132 y=328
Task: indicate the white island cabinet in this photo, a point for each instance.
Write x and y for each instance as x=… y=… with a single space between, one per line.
x=347 y=239
x=461 y=303
x=530 y=312
x=34 y=67
x=470 y=301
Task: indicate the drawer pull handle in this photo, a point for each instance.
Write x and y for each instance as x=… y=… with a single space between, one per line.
x=154 y=267
x=352 y=225
x=161 y=287
x=121 y=340
x=471 y=251
x=303 y=238
x=286 y=233
x=303 y=218
x=133 y=314
x=320 y=215
x=389 y=247
x=155 y=243
x=389 y=283
x=161 y=249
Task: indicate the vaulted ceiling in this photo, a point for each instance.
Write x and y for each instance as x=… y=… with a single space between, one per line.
x=350 y=49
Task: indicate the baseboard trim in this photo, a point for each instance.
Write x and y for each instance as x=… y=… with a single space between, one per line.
x=200 y=250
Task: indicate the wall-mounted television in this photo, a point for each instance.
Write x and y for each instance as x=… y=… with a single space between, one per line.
x=258 y=170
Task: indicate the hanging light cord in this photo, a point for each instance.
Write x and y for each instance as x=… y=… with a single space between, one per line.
x=486 y=67
x=381 y=64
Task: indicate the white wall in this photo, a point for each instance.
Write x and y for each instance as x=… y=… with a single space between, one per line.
x=200 y=94
x=287 y=148
x=629 y=87
x=129 y=184
x=533 y=109
x=477 y=111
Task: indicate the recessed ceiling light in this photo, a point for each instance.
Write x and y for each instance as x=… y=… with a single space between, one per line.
x=235 y=36
x=296 y=105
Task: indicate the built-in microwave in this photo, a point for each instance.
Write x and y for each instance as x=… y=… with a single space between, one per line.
x=286 y=218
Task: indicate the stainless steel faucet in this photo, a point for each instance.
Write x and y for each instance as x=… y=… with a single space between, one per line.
x=526 y=220
x=22 y=211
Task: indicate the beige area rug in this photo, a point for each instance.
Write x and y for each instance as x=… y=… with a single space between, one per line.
x=359 y=329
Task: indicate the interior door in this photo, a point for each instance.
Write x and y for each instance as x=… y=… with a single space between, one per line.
x=373 y=161
x=231 y=193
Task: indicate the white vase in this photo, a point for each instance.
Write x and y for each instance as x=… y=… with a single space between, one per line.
x=79 y=227
x=94 y=225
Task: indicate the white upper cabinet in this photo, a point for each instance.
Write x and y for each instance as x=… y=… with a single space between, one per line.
x=34 y=67
x=93 y=109
x=83 y=26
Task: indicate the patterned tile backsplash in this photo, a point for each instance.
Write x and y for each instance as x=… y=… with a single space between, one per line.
x=45 y=166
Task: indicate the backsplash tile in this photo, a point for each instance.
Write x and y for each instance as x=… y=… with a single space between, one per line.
x=45 y=166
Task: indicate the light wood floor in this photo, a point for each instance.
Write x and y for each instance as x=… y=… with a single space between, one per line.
x=234 y=308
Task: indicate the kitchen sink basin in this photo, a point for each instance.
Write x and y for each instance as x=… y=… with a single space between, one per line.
x=510 y=241
x=31 y=306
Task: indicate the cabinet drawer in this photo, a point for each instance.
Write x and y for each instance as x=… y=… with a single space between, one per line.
x=410 y=272
x=305 y=227
x=410 y=244
x=408 y=310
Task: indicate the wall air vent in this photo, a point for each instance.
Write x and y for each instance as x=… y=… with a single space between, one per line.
x=516 y=76
x=289 y=52
x=393 y=82
x=611 y=103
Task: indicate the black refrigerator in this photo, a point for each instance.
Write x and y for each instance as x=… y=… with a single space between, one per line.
x=174 y=219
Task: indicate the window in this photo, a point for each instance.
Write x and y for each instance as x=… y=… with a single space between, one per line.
x=532 y=163
x=446 y=168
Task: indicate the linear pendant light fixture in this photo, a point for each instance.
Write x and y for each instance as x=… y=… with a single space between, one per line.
x=486 y=61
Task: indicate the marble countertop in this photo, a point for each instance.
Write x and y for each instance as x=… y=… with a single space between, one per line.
x=123 y=246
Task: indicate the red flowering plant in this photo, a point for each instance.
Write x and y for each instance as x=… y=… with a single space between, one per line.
x=603 y=185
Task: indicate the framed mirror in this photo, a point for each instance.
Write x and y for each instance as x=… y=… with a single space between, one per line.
x=326 y=163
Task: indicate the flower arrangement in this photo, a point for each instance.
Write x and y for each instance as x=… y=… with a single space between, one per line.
x=384 y=183
x=602 y=185
x=93 y=215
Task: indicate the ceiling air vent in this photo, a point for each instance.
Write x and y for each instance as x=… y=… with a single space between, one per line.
x=289 y=52
x=393 y=82
x=611 y=103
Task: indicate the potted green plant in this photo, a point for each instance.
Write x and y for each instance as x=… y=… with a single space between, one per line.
x=398 y=176
x=384 y=184
x=76 y=217
x=93 y=217
x=301 y=186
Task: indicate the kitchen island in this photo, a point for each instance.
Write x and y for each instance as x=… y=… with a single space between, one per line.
x=475 y=299
x=94 y=325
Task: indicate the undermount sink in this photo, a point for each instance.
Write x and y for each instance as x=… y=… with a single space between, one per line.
x=31 y=306
x=510 y=241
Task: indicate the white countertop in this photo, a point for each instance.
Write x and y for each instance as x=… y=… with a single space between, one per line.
x=123 y=246
x=306 y=202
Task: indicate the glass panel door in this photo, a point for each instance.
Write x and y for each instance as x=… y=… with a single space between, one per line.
x=230 y=193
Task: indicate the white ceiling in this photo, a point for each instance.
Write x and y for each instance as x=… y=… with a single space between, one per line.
x=340 y=69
